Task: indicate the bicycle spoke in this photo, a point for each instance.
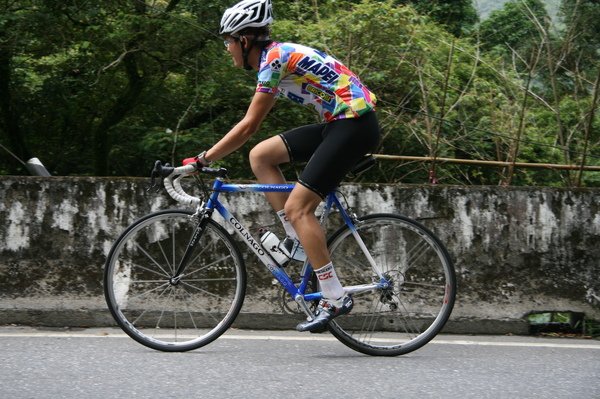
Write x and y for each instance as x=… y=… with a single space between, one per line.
x=165 y=255
x=412 y=310
x=134 y=322
x=135 y=266
x=188 y=307
x=203 y=290
x=209 y=314
x=173 y=246
x=411 y=283
x=409 y=327
x=193 y=261
x=208 y=265
x=354 y=263
x=154 y=309
x=369 y=328
x=151 y=258
x=134 y=282
x=145 y=293
x=415 y=254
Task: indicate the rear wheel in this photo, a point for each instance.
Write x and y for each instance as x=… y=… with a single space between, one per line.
x=160 y=311
x=419 y=299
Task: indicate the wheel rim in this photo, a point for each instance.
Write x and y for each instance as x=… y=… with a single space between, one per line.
x=417 y=304
x=170 y=313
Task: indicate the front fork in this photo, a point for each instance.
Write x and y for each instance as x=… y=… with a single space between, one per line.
x=202 y=215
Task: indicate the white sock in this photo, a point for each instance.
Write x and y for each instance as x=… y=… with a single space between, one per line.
x=330 y=284
x=287 y=226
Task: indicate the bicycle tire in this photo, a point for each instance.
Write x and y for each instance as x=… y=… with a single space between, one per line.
x=406 y=316
x=164 y=314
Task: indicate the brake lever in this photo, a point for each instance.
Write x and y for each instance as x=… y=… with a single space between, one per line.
x=156 y=172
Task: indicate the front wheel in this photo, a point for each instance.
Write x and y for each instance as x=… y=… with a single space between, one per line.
x=422 y=285
x=166 y=313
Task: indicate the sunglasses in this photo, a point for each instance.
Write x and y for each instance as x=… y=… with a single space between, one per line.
x=227 y=42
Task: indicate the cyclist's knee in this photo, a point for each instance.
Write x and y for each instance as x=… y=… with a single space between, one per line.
x=301 y=203
x=267 y=154
x=257 y=157
x=294 y=211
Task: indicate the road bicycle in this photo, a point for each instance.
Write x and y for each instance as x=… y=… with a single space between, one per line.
x=175 y=280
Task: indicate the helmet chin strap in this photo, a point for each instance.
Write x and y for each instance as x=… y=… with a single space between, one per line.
x=245 y=54
x=261 y=41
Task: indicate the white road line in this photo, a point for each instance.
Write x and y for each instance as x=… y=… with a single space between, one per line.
x=261 y=337
x=518 y=344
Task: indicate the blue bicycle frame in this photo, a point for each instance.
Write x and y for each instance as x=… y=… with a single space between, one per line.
x=298 y=292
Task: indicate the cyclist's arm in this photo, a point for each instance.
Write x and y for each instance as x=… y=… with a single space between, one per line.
x=257 y=111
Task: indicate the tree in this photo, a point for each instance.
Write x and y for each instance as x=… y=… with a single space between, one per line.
x=107 y=87
x=558 y=73
x=581 y=33
x=12 y=27
x=81 y=69
x=512 y=27
x=458 y=16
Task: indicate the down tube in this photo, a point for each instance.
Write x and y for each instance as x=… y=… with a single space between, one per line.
x=253 y=244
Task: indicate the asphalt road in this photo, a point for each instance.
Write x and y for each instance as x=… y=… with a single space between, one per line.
x=104 y=363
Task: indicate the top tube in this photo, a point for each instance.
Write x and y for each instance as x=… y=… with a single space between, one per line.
x=221 y=187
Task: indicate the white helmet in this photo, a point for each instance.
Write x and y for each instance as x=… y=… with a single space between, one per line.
x=246 y=14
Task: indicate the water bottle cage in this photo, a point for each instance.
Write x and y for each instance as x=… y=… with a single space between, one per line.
x=292 y=249
x=282 y=251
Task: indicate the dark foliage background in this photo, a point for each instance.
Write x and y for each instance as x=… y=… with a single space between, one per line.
x=105 y=88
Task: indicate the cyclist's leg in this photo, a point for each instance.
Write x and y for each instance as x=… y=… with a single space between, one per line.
x=344 y=143
x=267 y=155
x=300 y=210
x=332 y=149
x=265 y=159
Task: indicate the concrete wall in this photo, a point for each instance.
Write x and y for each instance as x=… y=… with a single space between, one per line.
x=516 y=250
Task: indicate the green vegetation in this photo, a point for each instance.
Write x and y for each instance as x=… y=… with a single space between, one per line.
x=105 y=88
x=549 y=323
x=485 y=7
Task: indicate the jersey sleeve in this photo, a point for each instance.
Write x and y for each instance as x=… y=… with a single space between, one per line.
x=271 y=71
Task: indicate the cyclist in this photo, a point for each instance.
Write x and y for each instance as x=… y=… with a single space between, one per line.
x=348 y=132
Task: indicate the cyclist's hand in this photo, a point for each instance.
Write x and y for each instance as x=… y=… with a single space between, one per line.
x=188 y=161
x=199 y=159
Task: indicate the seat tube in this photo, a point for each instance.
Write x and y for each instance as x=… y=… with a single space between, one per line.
x=350 y=223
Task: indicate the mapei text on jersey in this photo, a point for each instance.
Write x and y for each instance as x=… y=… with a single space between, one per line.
x=308 y=64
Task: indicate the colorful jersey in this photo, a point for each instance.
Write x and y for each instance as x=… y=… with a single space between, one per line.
x=312 y=78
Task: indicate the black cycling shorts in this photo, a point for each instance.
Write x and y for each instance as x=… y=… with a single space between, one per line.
x=331 y=149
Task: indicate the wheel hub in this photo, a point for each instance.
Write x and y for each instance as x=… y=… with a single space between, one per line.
x=388 y=291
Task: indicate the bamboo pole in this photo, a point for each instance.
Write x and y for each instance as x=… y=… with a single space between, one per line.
x=588 y=128
x=488 y=163
x=432 y=171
